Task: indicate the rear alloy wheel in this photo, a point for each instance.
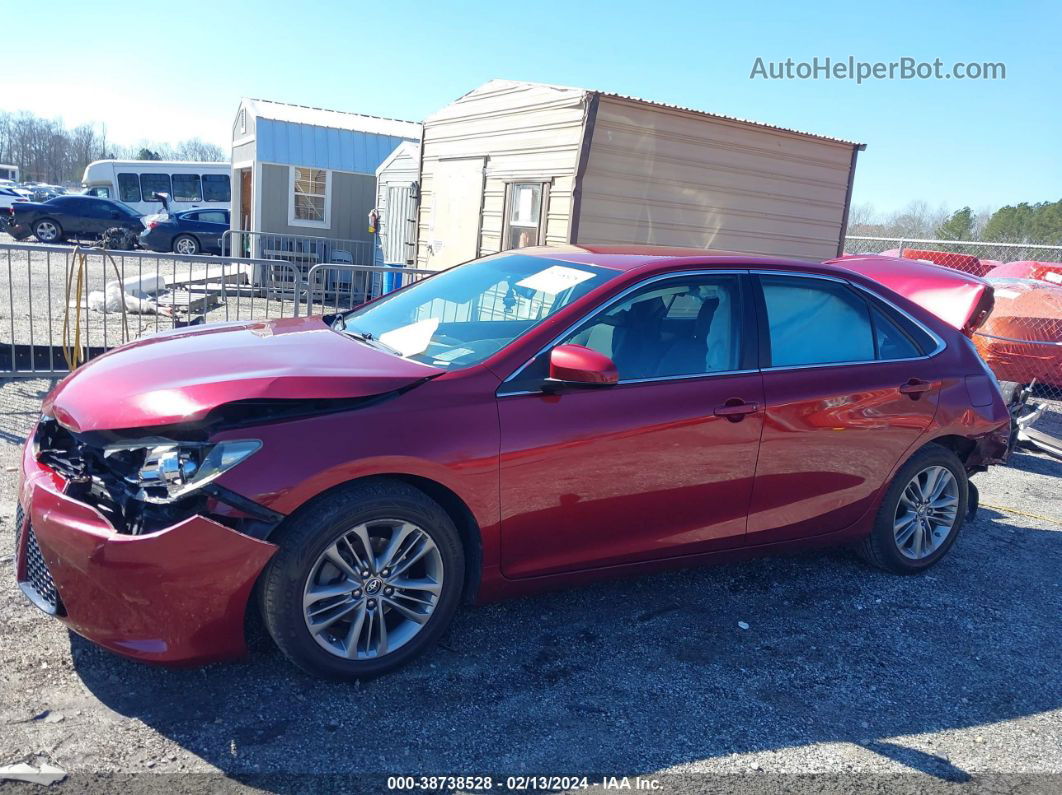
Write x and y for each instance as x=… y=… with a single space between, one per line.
x=48 y=231
x=921 y=514
x=366 y=579
x=926 y=512
x=185 y=244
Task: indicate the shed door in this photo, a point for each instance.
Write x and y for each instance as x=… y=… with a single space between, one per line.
x=398 y=222
x=453 y=235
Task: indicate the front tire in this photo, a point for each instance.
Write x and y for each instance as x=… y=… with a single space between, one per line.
x=921 y=514
x=185 y=244
x=48 y=231
x=366 y=578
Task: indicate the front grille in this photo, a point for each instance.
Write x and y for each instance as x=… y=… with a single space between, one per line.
x=37 y=581
x=19 y=519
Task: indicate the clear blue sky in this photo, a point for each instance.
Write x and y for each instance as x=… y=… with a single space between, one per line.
x=172 y=70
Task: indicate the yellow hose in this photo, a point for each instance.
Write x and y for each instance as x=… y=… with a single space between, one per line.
x=1016 y=512
x=79 y=258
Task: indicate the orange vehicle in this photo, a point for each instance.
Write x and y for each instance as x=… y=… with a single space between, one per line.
x=1022 y=338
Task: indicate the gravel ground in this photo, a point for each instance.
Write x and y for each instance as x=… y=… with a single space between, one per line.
x=950 y=679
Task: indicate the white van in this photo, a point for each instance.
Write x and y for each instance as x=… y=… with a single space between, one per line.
x=189 y=185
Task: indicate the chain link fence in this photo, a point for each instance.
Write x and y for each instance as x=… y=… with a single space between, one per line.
x=1022 y=339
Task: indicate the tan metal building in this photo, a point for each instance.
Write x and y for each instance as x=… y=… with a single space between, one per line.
x=512 y=164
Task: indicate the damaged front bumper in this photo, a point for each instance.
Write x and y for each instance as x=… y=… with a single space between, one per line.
x=174 y=595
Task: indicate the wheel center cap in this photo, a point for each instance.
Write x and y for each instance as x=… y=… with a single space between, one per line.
x=374 y=585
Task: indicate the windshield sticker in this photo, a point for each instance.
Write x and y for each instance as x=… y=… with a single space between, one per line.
x=449 y=356
x=1007 y=293
x=412 y=339
x=555 y=279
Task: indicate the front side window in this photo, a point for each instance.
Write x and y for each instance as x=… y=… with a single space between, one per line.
x=128 y=188
x=815 y=321
x=463 y=315
x=103 y=192
x=216 y=188
x=153 y=184
x=186 y=188
x=685 y=326
x=524 y=214
x=309 y=196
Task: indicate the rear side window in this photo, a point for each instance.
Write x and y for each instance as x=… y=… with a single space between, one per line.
x=152 y=184
x=814 y=321
x=186 y=188
x=216 y=188
x=212 y=217
x=892 y=341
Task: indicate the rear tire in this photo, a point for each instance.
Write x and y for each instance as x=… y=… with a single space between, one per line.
x=48 y=231
x=185 y=244
x=914 y=527
x=341 y=645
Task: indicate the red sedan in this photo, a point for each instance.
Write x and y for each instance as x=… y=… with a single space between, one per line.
x=530 y=420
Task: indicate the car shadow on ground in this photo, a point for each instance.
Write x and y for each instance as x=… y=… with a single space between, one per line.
x=631 y=677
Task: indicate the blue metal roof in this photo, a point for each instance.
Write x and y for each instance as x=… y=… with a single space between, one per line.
x=295 y=144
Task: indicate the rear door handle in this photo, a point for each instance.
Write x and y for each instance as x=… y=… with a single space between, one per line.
x=734 y=409
x=915 y=387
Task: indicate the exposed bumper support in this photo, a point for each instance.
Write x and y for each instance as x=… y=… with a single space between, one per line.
x=173 y=596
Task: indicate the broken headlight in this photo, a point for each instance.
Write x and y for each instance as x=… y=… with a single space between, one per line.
x=165 y=471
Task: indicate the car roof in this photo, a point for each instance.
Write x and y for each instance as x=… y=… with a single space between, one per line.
x=648 y=259
x=629 y=258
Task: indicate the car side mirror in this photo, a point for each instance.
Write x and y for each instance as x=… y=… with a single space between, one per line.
x=577 y=365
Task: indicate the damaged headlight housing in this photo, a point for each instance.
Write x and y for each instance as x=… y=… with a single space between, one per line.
x=172 y=470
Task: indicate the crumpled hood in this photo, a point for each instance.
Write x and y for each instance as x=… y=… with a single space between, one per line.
x=182 y=375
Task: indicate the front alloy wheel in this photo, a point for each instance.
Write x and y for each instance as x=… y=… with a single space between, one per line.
x=373 y=590
x=366 y=578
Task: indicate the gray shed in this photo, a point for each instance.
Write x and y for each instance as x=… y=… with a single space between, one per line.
x=396 y=205
x=304 y=179
x=512 y=164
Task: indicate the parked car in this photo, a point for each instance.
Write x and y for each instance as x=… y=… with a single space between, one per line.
x=1037 y=270
x=8 y=196
x=190 y=232
x=949 y=259
x=1022 y=339
x=42 y=193
x=529 y=420
x=73 y=216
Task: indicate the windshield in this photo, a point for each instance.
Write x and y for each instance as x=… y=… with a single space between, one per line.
x=463 y=315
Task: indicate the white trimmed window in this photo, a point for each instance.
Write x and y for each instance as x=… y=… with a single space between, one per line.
x=525 y=214
x=308 y=196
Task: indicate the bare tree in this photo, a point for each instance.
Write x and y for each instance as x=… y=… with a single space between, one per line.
x=47 y=151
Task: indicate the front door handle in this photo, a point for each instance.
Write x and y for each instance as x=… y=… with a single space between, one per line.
x=915 y=387
x=736 y=408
